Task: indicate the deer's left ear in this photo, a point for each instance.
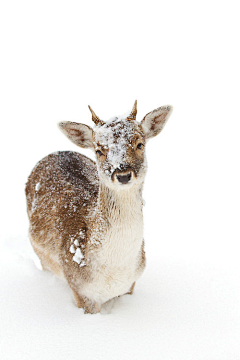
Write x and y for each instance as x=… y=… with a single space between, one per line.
x=154 y=121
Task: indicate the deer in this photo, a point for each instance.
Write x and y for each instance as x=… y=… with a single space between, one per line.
x=86 y=218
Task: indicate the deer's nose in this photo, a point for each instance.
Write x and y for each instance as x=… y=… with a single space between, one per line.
x=124 y=179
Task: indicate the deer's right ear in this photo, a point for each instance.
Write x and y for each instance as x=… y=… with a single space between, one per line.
x=79 y=134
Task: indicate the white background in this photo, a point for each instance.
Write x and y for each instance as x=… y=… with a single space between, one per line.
x=56 y=58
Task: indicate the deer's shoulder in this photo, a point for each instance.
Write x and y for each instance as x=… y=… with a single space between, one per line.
x=65 y=175
x=78 y=170
x=65 y=168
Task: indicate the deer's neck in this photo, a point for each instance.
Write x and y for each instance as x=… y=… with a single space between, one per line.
x=121 y=205
x=118 y=218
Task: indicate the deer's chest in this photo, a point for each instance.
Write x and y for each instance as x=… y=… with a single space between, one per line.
x=115 y=264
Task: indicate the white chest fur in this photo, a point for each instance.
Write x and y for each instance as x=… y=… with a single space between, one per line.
x=115 y=263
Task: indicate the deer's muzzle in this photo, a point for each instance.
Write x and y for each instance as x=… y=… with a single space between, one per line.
x=123 y=177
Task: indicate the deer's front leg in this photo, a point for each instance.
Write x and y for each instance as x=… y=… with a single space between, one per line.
x=130 y=292
x=86 y=304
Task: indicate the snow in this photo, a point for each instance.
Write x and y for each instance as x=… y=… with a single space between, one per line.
x=115 y=135
x=37 y=187
x=78 y=256
x=179 y=310
x=186 y=305
x=72 y=249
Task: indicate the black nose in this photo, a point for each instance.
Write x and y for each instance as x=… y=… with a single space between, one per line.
x=124 y=179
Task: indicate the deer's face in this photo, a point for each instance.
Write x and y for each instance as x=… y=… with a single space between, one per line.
x=120 y=150
x=119 y=144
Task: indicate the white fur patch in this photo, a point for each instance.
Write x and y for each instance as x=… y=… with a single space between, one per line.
x=114 y=264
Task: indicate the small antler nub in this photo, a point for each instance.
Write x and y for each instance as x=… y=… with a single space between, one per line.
x=95 y=118
x=133 y=114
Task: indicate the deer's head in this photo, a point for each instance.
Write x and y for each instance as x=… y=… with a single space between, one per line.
x=119 y=143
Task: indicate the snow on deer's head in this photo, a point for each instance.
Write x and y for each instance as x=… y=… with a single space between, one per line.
x=119 y=144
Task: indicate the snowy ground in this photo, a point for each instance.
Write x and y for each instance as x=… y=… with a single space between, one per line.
x=180 y=310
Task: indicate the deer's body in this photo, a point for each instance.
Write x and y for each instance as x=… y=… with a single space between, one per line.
x=86 y=221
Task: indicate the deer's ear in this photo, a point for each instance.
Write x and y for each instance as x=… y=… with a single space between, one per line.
x=154 y=121
x=79 y=134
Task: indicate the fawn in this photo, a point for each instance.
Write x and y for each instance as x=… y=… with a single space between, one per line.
x=86 y=222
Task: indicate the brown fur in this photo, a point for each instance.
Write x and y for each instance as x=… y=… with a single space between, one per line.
x=71 y=210
x=64 y=200
x=59 y=209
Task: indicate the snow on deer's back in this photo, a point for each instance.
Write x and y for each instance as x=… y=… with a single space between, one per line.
x=86 y=222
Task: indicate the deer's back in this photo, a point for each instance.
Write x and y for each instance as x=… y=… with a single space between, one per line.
x=61 y=195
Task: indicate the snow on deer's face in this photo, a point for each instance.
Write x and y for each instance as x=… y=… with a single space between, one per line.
x=120 y=149
x=119 y=144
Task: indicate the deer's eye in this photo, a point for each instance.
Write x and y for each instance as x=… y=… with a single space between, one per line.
x=140 y=146
x=99 y=153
